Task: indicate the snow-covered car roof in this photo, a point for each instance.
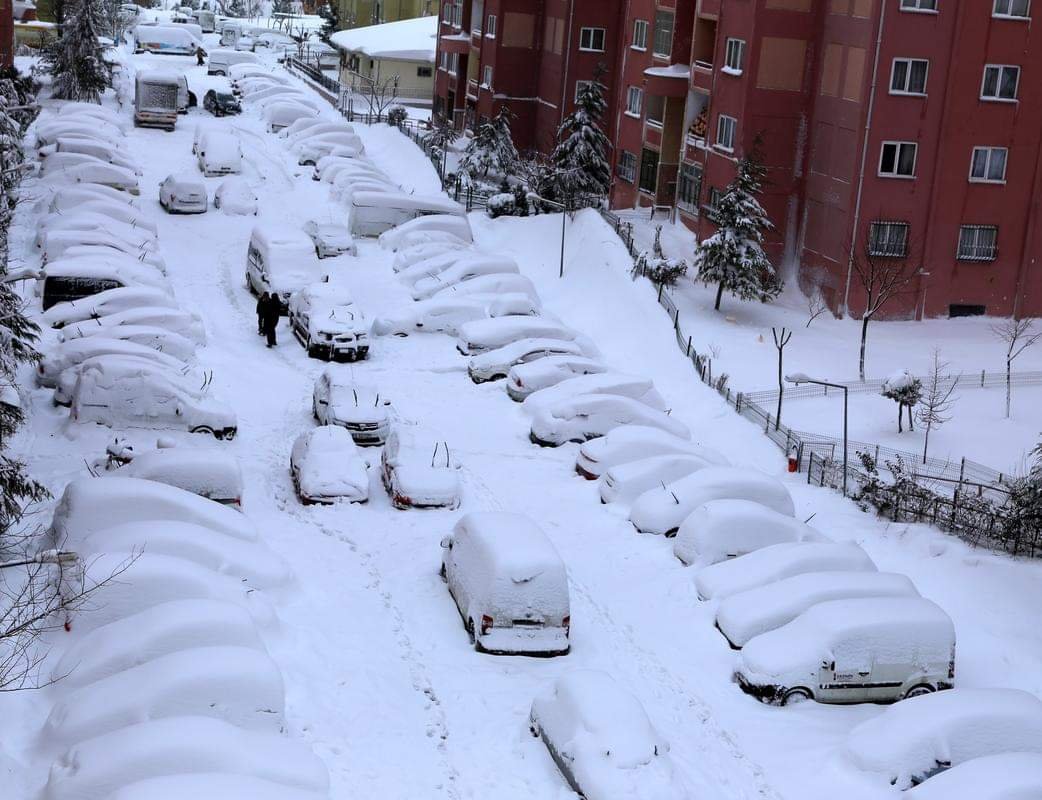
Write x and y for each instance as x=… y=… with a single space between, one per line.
x=512 y=544
x=284 y=113
x=236 y=196
x=630 y=442
x=1007 y=776
x=107 y=302
x=67 y=354
x=301 y=132
x=508 y=354
x=100 y=172
x=69 y=197
x=209 y=472
x=409 y=202
x=610 y=382
x=283 y=238
x=100 y=213
x=599 y=413
x=456 y=226
x=185 y=181
x=162 y=339
x=500 y=283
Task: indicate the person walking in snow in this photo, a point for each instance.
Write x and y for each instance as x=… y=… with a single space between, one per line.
x=262 y=304
x=272 y=312
x=200 y=56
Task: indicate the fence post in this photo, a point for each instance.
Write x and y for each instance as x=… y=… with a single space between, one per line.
x=689 y=347
x=810 y=467
x=660 y=293
x=676 y=320
x=982 y=379
x=767 y=427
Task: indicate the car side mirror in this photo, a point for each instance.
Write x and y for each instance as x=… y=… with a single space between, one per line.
x=830 y=665
x=447 y=542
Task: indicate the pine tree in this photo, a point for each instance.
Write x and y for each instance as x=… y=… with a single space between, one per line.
x=75 y=61
x=236 y=8
x=330 y=13
x=733 y=257
x=580 y=159
x=492 y=149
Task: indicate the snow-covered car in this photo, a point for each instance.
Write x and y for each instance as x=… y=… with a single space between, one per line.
x=326 y=466
x=50 y=132
x=778 y=562
x=330 y=238
x=439 y=315
x=497 y=362
x=157 y=338
x=72 y=198
x=524 y=379
x=280 y=259
x=359 y=408
x=75 y=108
x=77 y=278
x=166 y=365
x=576 y=419
x=58 y=243
x=923 y=736
x=102 y=151
x=274 y=90
x=183 y=194
x=624 y=483
x=61 y=160
x=206 y=471
x=301 y=125
x=346 y=185
x=301 y=132
x=1007 y=776
x=483 y=335
x=103 y=304
x=419 y=471
x=220 y=102
x=407 y=256
x=633 y=442
x=99 y=214
x=219 y=154
x=437 y=263
x=413 y=238
x=328 y=324
x=663 y=509
x=100 y=173
x=312 y=148
x=269 y=98
x=457 y=227
x=69 y=223
x=616 y=383
x=59 y=358
x=869 y=649
x=490 y=284
x=162 y=316
x=509 y=584
x=235 y=197
x=245 y=43
x=462 y=271
x=728 y=528
x=331 y=164
x=147 y=401
x=602 y=741
x=743 y=615
x=279 y=115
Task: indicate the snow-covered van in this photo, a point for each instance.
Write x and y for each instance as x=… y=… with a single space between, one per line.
x=231 y=30
x=280 y=259
x=170 y=40
x=219 y=154
x=864 y=650
x=372 y=213
x=509 y=583
x=156 y=99
x=220 y=60
x=206 y=20
x=74 y=279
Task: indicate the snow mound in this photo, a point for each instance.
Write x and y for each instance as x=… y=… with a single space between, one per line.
x=237 y=684
x=917 y=736
x=155 y=632
x=208 y=472
x=723 y=529
x=776 y=562
x=94 y=769
x=1009 y=776
x=211 y=786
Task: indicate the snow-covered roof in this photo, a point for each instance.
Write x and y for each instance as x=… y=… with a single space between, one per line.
x=672 y=71
x=407 y=40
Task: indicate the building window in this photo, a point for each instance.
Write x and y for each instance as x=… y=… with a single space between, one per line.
x=656 y=109
x=713 y=200
x=648 y=170
x=689 y=186
x=988 y=164
x=1018 y=9
x=454 y=63
x=486 y=76
x=888 y=239
x=627 y=166
x=424 y=72
x=640 y=34
x=909 y=76
x=443 y=63
x=725 y=131
x=579 y=86
x=1000 y=82
x=490 y=27
x=897 y=160
x=663 y=33
x=919 y=5
x=477 y=13
x=634 y=100
x=591 y=39
x=978 y=243
x=735 y=55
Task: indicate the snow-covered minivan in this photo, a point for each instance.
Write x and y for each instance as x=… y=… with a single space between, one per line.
x=280 y=259
x=509 y=584
x=372 y=213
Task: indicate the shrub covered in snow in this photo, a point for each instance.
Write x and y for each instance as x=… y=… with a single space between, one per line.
x=397 y=115
x=501 y=205
x=657 y=267
x=906 y=390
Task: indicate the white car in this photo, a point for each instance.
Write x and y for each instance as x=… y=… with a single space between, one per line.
x=219 y=154
x=330 y=239
x=462 y=271
x=278 y=115
x=100 y=173
x=206 y=471
x=602 y=741
x=71 y=198
x=71 y=224
x=576 y=419
x=106 y=303
x=317 y=127
x=617 y=383
x=497 y=362
x=326 y=466
x=300 y=126
x=488 y=334
x=59 y=243
x=457 y=227
x=312 y=148
x=408 y=256
x=446 y=315
x=359 y=408
x=1007 y=776
x=183 y=194
x=524 y=379
x=68 y=354
x=171 y=319
x=624 y=483
x=419 y=471
x=102 y=214
x=192 y=381
x=328 y=324
x=235 y=197
x=161 y=339
x=90 y=147
x=633 y=442
x=490 y=284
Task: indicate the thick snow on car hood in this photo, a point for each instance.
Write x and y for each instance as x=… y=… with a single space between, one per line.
x=1009 y=776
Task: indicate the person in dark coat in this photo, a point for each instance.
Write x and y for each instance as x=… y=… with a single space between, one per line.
x=200 y=56
x=272 y=312
x=261 y=305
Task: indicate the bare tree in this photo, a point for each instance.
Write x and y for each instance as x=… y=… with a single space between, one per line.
x=1018 y=335
x=937 y=400
x=816 y=305
x=780 y=340
x=379 y=94
x=882 y=277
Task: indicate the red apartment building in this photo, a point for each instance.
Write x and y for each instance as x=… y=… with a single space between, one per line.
x=6 y=33
x=907 y=129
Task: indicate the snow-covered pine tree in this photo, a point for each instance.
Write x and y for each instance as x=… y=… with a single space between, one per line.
x=580 y=159
x=75 y=60
x=733 y=257
x=236 y=8
x=492 y=149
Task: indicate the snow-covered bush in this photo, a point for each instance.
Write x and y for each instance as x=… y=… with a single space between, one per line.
x=906 y=390
x=656 y=266
x=397 y=115
x=492 y=150
x=501 y=205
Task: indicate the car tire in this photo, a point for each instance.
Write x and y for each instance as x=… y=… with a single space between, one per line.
x=441 y=573
x=796 y=696
x=919 y=691
x=312 y=349
x=471 y=633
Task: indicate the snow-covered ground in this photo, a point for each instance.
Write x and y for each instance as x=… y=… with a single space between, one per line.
x=380 y=679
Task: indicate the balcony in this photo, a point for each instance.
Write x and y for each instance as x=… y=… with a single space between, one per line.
x=702 y=77
x=671 y=81
x=472 y=88
x=455 y=43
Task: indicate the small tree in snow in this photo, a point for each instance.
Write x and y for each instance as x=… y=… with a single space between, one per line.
x=882 y=277
x=937 y=400
x=780 y=340
x=75 y=60
x=236 y=8
x=492 y=149
x=1018 y=335
x=733 y=257
x=906 y=390
x=657 y=267
x=1024 y=508
x=580 y=159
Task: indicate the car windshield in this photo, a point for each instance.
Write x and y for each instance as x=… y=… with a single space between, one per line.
x=225 y=97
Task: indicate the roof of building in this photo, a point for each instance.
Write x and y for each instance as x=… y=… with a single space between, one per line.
x=407 y=40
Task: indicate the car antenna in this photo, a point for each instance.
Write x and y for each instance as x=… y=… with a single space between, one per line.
x=434 y=455
x=812 y=516
x=90 y=469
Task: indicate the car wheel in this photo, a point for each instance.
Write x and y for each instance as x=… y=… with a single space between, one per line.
x=470 y=632
x=796 y=696
x=312 y=349
x=203 y=429
x=919 y=691
x=441 y=572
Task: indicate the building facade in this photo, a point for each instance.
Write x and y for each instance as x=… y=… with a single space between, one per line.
x=6 y=34
x=360 y=13
x=895 y=132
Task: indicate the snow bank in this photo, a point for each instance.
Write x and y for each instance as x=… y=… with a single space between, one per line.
x=913 y=738
x=208 y=472
x=723 y=529
x=239 y=685
x=211 y=786
x=777 y=562
x=746 y=614
x=662 y=510
x=94 y=769
x=152 y=633
x=1010 y=776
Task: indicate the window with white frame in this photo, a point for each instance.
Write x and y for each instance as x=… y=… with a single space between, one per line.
x=988 y=165
x=908 y=76
x=726 y=128
x=664 y=21
x=1000 y=82
x=897 y=159
x=978 y=243
x=490 y=27
x=1016 y=9
x=634 y=100
x=640 y=34
x=627 y=166
x=734 y=55
x=888 y=239
x=486 y=76
x=918 y=5
x=591 y=39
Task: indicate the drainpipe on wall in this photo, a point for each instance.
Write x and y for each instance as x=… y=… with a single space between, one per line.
x=620 y=97
x=864 y=156
x=567 y=61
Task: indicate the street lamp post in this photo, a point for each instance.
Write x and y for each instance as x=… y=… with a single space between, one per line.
x=533 y=197
x=797 y=378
